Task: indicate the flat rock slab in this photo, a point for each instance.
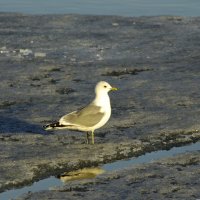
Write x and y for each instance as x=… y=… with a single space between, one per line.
x=171 y=178
x=49 y=65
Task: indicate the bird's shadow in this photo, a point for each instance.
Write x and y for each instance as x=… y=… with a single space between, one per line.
x=13 y=125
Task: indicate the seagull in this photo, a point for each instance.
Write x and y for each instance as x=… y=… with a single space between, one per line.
x=89 y=118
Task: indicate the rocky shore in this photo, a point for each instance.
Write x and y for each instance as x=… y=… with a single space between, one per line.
x=49 y=65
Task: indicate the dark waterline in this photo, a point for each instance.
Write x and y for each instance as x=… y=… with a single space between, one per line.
x=108 y=7
x=50 y=182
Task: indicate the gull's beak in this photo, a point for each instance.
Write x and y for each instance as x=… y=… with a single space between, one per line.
x=113 y=89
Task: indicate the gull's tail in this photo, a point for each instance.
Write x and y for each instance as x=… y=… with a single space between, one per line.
x=54 y=126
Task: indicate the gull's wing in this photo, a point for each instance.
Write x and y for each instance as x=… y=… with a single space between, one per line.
x=87 y=116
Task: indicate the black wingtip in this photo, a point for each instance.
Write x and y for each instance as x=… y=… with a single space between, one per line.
x=45 y=126
x=51 y=126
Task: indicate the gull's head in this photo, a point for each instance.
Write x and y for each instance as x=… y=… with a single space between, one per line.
x=103 y=87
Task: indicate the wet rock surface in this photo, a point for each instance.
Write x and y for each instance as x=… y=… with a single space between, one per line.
x=49 y=65
x=171 y=178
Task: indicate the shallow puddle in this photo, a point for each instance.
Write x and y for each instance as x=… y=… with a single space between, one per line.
x=148 y=157
x=86 y=173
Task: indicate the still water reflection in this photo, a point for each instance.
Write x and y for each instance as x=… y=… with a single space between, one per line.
x=88 y=173
x=85 y=173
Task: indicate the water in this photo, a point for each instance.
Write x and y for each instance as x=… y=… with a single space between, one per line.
x=50 y=182
x=148 y=157
x=104 y=7
x=44 y=184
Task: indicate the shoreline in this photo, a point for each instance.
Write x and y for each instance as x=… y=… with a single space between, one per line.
x=46 y=64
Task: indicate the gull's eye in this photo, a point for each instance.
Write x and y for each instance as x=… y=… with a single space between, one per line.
x=105 y=86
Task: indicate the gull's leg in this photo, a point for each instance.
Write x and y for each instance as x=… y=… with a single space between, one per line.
x=92 y=137
x=87 y=137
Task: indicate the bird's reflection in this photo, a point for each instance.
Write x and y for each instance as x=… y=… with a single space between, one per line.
x=85 y=173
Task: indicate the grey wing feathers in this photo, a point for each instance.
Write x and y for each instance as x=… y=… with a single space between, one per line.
x=87 y=116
